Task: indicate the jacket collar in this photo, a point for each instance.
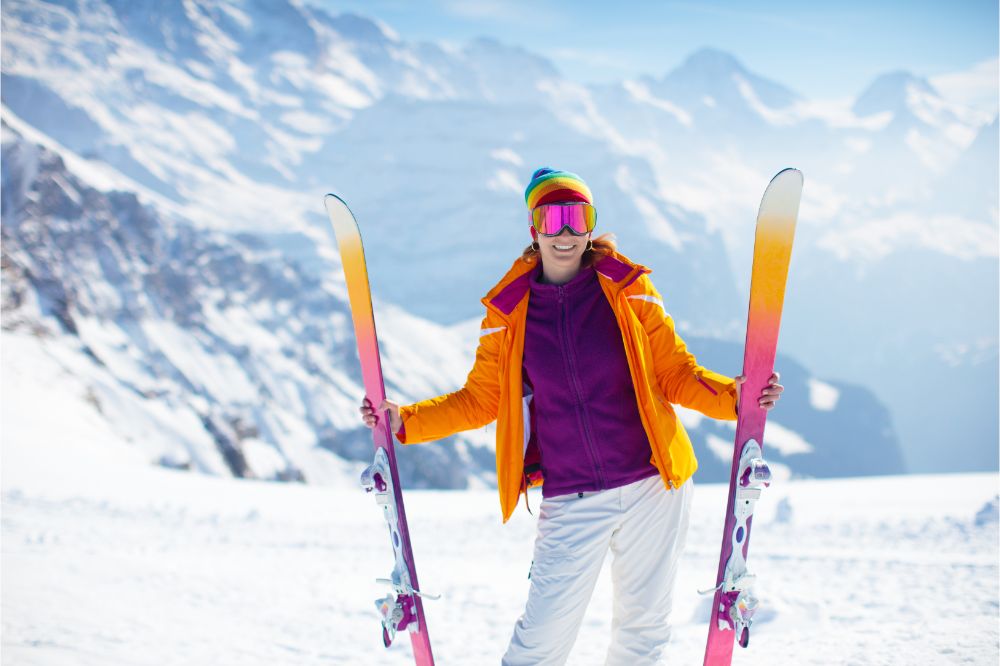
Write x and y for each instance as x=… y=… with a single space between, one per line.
x=615 y=269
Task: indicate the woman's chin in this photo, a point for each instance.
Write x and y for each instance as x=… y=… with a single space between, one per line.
x=564 y=257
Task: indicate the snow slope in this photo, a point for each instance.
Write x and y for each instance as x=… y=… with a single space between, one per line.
x=107 y=560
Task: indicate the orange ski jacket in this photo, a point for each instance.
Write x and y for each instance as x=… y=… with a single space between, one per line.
x=663 y=373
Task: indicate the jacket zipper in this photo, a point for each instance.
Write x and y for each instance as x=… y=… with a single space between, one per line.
x=569 y=356
x=706 y=385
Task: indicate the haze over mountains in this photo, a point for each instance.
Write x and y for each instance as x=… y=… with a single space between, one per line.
x=227 y=121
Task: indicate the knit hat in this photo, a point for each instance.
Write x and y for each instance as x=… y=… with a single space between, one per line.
x=554 y=186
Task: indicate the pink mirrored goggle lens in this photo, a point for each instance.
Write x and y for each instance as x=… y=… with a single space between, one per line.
x=550 y=219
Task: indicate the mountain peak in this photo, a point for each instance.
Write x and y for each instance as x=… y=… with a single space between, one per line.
x=507 y=71
x=709 y=61
x=890 y=92
x=711 y=73
x=490 y=49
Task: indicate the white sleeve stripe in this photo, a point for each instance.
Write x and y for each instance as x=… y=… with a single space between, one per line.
x=651 y=299
x=483 y=332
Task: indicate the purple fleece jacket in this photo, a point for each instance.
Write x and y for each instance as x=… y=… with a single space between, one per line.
x=584 y=414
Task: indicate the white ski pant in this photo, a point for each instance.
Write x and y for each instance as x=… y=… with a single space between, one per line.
x=645 y=526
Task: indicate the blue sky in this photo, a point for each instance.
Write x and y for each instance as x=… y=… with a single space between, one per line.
x=822 y=50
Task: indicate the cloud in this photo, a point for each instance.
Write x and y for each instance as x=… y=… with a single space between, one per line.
x=976 y=86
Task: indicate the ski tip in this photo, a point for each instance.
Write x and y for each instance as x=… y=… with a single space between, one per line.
x=331 y=198
x=337 y=207
x=780 y=203
x=789 y=172
x=345 y=225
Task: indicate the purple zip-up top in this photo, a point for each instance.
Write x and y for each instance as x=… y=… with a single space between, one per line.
x=584 y=415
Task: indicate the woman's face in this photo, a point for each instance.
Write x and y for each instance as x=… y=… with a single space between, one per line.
x=565 y=250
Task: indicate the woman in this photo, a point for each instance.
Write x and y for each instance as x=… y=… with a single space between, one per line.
x=579 y=364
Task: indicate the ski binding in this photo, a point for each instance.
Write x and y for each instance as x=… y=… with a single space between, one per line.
x=738 y=603
x=397 y=607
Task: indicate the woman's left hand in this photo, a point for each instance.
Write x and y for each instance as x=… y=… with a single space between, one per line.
x=768 y=397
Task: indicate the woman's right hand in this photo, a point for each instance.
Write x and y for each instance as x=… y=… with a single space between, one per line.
x=370 y=416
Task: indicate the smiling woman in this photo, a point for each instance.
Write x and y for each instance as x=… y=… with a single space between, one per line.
x=562 y=219
x=580 y=366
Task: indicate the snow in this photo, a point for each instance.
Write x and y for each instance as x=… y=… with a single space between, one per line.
x=753 y=101
x=923 y=147
x=307 y=123
x=505 y=180
x=95 y=173
x=658 y=225
x=786 y=441
x=975 y=87
x=507 y=155
x=640 y=93
x=952 y=235
x=823 y=396
x=721 y=448
x=108 y=561
x=858 y=145
x=837 y=113
x=262 y=458
x=937 y=112
x=971 y=352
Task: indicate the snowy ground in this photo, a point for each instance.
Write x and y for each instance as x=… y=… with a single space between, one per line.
x=107 y=560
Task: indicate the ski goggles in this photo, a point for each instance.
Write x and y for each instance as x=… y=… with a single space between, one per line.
x=551 y=219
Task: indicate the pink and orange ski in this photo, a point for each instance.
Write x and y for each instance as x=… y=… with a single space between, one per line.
x=402 y=608
x=734 y=602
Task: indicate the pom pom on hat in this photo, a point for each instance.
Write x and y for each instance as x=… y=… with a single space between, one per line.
x=553 y=186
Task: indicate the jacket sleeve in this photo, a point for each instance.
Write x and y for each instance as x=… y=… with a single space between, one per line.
x=679 y=376
x=472 y=406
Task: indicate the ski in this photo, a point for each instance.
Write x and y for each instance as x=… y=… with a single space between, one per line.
x=734 y=602
x=401 y=609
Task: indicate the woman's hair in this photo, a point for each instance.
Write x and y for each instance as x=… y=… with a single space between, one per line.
x=603 y=245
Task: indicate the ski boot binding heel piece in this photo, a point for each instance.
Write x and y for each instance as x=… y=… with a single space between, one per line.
x=738 y=601
x=396 y=614
x=742 y=614
x=737 y=608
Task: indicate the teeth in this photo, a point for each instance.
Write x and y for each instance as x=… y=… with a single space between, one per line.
x=564 y=247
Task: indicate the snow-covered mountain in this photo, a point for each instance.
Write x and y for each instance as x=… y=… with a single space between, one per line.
x=211 y=351
x=237 y=115
x=206 y=350
x=716 y=89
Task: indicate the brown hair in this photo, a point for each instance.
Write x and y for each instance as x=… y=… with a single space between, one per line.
x=603 y=245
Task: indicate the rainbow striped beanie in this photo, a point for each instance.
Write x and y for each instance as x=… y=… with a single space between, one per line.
x=554 y=186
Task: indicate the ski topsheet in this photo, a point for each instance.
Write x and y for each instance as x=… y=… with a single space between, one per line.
x=402 y=608
x=734 y=603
